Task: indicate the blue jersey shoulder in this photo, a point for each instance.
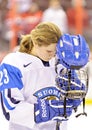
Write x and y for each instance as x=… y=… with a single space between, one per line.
x=10 y=77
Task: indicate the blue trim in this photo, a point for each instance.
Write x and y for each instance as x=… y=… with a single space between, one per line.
x=11 y=98
x=6 y=102
x=6 y=114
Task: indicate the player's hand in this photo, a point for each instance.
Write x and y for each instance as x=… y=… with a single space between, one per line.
x=47 y=110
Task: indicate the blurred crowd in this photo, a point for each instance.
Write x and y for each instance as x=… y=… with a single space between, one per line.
x=19 y=17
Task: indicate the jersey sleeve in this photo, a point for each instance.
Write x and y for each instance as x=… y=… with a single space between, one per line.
x=13 y=103
x=10 y=77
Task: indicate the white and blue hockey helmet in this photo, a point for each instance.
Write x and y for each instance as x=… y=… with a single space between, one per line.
x=72 y=51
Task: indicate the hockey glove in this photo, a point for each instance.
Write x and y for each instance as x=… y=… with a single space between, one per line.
x=47 y=110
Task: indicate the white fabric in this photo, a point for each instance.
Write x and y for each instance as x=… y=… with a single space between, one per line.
x=35 y=77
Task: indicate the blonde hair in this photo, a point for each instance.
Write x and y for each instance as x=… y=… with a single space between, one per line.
x=43 y=34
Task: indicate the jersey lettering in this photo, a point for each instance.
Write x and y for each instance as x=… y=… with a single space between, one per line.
x=46 y=92
x=44 y=110
x=4 y=79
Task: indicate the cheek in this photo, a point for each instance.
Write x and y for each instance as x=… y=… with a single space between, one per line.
x=40 y=52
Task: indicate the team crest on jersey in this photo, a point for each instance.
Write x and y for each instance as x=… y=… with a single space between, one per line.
x=48 y=92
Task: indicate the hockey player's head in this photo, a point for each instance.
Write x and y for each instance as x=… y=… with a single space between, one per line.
x=41 y=41
x=55 y=4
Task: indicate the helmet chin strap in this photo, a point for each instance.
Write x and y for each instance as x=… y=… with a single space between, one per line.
x=83 y=113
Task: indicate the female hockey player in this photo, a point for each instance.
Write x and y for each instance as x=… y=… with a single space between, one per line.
x=29 y=97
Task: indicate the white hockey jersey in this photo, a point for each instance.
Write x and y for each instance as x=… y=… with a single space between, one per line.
x=23 y=79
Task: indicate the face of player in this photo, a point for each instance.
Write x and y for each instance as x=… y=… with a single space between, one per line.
x=45 y=52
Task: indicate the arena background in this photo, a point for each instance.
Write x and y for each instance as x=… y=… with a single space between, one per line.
x=9 y=44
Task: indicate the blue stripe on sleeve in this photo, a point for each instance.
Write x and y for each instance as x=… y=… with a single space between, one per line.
x=6 y=102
